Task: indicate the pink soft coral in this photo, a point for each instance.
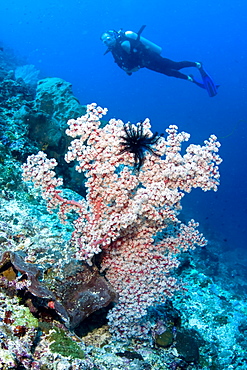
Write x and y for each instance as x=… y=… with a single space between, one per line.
x=125 y=208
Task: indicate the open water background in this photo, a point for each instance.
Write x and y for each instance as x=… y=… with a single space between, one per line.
x=62 y=39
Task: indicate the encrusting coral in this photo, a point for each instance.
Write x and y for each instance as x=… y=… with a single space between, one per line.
x=127 y=207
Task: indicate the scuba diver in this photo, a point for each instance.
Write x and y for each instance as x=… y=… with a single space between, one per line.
x=131 y=52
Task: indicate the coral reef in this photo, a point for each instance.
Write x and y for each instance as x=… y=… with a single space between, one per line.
x=208 y=316
x=28 y=73
x=54 y=104
x=18 y=330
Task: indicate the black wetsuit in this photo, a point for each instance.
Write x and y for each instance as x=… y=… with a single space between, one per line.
x=141 y=57
x=168 y=67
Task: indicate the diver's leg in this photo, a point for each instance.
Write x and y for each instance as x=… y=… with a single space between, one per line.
x=166 y=71
x=179 y=65
x=175 y=73
x=167 y=66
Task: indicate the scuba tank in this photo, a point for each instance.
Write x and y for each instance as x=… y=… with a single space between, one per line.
x=148 y=44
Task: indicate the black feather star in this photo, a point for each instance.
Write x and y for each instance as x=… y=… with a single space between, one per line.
x=137 y=143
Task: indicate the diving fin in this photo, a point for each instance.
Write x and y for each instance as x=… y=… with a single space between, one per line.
x=208 y=83
x=198 y=83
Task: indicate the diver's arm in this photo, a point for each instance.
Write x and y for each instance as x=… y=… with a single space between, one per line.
x=126 y=46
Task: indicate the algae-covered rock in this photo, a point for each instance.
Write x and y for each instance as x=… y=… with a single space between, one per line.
x=165 y=339
x=18 y=328
x=7 y=360
x=81 y=292
x=54 y=97
x=64 y=345
x=54 y=105
x=187 y=346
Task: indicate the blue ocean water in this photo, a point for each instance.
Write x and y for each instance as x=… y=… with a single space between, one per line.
x=62 y=39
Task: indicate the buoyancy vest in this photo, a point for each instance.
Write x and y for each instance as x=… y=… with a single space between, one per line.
x=132 y=60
